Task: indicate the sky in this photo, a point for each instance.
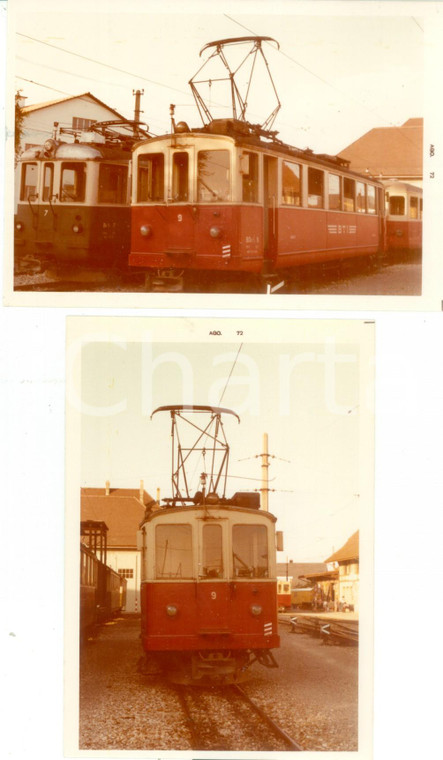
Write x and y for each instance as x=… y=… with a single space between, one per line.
x=337 y=76
x=308 y=386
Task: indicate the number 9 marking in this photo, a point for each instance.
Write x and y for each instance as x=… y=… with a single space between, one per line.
x=213 y=595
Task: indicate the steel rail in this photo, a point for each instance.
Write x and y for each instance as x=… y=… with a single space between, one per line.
x=276 y=729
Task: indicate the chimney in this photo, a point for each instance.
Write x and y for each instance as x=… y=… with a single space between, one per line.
x=158 y=496
x=108 y=485
x=142 y=491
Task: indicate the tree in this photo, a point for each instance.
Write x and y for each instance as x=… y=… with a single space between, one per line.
x=19 y=119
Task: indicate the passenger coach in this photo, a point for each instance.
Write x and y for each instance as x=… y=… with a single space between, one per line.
x=222 y=200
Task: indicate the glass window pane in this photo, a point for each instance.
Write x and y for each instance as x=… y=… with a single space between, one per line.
x=413 y=208
x=73 y=182
x=250 y=177
x=250 y=551
x=48 y=177
x=372 y=209
x=29 y=181
x=212 y=555
x=213 y=178
x=291 y=184
x=180 y=164
x=112 y=184
x=361 y=198
x=348 y=194
x=334 y=193
x=173 y=551
x=315 y=188
x=151 y=171
x=396 y=205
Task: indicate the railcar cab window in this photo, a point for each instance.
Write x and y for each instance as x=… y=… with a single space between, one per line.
x=348 y=194
x=29 y=181
x=413 y=207
x=249 y=170
x=213 y=176
x=72 y=182
x=180 y=172
x=396 y=205
x=361 y=198
x=212 y=554
x=334 y=192
x=315 y=188
x=48 y=181
x=112 y=183
x=371 y=199
x=151 y=177
x=250 y=551
x=173 y=551
x=291 y=184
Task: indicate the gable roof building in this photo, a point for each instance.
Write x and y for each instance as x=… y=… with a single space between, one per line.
x=389 y=152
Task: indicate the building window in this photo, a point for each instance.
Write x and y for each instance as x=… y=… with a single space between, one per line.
x=126 y=572
x=78 y=123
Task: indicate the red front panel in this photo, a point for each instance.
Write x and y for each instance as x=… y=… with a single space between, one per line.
x=210 y=615
x=404 y=235
x=180 y=237
x=310 y=235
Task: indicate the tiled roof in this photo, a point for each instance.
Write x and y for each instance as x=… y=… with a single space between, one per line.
x=297 y=569
x=122 y=511
x=389 y=151
x=49 y=103
x=348 y=552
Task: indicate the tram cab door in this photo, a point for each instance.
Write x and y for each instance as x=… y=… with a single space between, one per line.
x=212 y=589
x=270 y=199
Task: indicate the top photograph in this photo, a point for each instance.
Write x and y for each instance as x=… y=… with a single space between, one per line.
x=162 y=158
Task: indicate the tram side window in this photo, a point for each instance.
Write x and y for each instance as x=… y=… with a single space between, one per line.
x=112 y=183
x=250 y=551
x=413 y=207
x=348 y=194
x=173 y=551
x=421 y=208
x=151 y=177
x=212 y=555
x=213 y=177
x=180 y=170
x=29 y=181
x=396 y=205
x=48 y=180
x=334 y=192
x=371 y=199
x=315 y=188
x=291 y=184
x=361 y=198
x=249 y=177
x=72 y=182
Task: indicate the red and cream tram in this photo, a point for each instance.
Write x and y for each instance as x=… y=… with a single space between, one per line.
x=73 y=210
x=208 y=590
x=404 y=214
x=221 y=200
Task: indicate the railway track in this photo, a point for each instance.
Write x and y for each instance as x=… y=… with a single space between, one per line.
x=226 y=719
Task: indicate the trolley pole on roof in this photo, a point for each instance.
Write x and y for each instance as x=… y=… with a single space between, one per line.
x=265 y=474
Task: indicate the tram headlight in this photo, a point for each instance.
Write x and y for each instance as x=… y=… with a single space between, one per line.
x=19 y=226
x=215 y=232
x=146 y=230
x=256 y=609
x=171 y=610
x=77 y=228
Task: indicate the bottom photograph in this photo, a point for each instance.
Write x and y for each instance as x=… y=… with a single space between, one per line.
x=219 y=536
